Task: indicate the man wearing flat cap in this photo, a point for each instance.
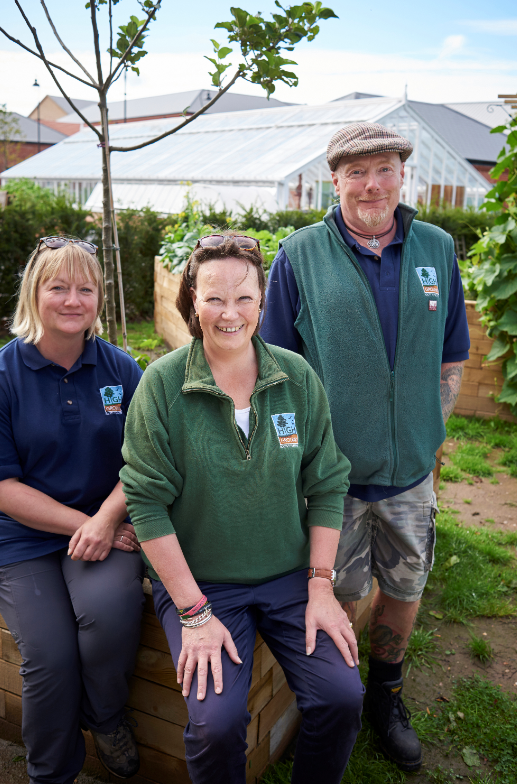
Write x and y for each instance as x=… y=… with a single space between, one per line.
x=372 y=298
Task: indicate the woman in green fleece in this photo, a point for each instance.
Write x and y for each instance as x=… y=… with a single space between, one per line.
x=235 y=487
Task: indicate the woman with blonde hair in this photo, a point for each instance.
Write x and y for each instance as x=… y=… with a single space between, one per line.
x=70 y=567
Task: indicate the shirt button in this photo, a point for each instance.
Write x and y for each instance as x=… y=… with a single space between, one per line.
x=376 y=258
x=69 y=402
x=65 y=380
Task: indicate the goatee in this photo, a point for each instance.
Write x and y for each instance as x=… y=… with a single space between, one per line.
x=373 y=218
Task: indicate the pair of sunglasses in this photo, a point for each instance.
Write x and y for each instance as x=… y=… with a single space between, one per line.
x=242 y=240
x=60 y=242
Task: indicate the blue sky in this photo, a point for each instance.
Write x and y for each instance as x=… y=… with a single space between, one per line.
x=443 y=51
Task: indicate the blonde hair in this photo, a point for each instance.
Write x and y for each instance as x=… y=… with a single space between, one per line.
x=46 y=265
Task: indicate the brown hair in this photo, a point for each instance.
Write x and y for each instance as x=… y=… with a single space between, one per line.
x=46 y=265
x=228 y=249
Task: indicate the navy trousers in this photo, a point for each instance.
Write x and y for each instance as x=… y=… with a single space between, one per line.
x=77 y=626
x=329 y=693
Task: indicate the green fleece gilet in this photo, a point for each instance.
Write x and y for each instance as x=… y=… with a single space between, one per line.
x=388 y=424
x=237 y=505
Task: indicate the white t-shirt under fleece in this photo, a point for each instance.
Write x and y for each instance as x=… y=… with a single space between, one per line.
x=242 y=417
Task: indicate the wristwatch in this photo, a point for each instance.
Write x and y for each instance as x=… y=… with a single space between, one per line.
x=328 y=574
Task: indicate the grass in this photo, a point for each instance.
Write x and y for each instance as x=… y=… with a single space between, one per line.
x=421 y=647
x=451 y=473
x=509 y=460
x=473 y=429
x=480 y=649
x=489 y=726
x=470 y=458
x=473 y=573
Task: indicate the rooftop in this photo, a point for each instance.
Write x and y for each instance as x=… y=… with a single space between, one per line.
x=29 y=131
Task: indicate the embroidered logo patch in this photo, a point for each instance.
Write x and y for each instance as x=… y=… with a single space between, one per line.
x=285 y=427
x=429 y=281
x=112 y=399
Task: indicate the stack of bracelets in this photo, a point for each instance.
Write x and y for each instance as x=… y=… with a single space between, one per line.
x=200 y=613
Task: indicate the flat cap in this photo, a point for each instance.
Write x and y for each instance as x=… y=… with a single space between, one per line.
x=365 y=139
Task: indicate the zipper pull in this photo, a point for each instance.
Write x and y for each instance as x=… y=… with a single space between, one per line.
x=248 y=456
x=392 y=385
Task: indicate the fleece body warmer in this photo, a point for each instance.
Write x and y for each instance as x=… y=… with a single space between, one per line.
x=237 y=504
x=389 y=423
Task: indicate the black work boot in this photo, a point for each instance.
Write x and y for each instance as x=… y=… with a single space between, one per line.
x=390 y=718
x=117 y=750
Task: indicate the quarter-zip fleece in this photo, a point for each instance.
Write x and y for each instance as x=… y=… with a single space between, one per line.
x=389 y=423
x=237 y=505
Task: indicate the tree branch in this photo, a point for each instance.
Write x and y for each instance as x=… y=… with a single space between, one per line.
x=54 y=65
x=183 y=124
x=54 y=77
x=123 y=59
x=67 y=50
x=110 y=12
x=96 y=45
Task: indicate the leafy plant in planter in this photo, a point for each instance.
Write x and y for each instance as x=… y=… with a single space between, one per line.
x=181 y=239
x=493 y=273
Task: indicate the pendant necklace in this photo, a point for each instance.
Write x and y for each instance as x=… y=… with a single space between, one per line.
x=373 y=242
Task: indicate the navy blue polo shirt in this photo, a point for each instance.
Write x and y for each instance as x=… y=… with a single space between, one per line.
x=383 y=273
x=61 y=432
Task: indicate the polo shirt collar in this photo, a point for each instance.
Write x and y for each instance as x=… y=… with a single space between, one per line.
x=352 y=242
x=35 y=360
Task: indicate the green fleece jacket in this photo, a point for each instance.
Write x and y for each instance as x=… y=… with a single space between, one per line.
x=237 y=505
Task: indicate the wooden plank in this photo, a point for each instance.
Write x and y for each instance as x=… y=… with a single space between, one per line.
x=10 y=650
x=13 y=708
x=162 y=768
x=157 y=700
x=469 y=388
x=477 y=403
x=10 y=732
x=278 y=677
x=274 y=708
x=474 y=360
x=3 y=624
x=257 y=762
x=481 y=345
x=252 y=735
x=160 y=735
x=10 y=678
x=283 y=731
x=260 y=695
x=152 y=634
x=156 y=666
x=2 y=705
x=268 y=660
x=489 y=390
x=256 y=671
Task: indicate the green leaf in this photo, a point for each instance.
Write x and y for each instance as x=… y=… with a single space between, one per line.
x=505 y=289
x=499 y=129
x=470 y=757
x=508 y=393
x=327 y=13
x=508 y=322
x=436 y=614
x=511 y=368
x=451 y=562
x=499 y=348
x=224 y=52
x=215 y=44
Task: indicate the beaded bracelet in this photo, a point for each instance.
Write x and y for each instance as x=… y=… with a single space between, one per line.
x=198 y=620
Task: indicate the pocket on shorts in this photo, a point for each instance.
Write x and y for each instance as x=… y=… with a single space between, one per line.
x=431 y=534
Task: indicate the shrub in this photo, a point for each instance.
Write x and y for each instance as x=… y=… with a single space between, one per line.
x=32 y=212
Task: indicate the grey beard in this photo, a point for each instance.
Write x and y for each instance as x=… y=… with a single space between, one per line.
x=373 y=219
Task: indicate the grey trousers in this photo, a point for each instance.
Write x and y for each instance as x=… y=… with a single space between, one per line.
x=77 y=627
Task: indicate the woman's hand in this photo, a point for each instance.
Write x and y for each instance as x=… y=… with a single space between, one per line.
x=324 y=612
x=95 y=538
x=200 y=646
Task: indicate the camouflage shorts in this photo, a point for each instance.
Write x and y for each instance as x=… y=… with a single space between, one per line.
x=393 y=540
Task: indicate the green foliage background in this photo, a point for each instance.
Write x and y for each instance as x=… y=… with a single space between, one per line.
x=493 y=273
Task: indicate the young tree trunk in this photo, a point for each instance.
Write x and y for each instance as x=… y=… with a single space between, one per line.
x=107 y=234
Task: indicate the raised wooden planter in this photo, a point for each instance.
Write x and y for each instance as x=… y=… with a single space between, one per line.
x=482 y=380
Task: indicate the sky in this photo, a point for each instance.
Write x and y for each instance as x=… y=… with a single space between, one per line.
x=443 y=51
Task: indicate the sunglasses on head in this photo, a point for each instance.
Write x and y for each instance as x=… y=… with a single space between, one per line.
x=60 y=242
x=242 y=240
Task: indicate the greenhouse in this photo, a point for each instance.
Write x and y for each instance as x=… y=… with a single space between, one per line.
x=272 y=158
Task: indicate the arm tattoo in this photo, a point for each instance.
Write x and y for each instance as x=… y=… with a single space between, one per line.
x=450 y=384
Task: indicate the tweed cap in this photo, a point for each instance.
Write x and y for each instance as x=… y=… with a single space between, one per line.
x=365 y=139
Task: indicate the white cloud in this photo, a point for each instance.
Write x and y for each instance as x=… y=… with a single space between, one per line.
x=453 y=44
x=324 y=75
x=493 y=26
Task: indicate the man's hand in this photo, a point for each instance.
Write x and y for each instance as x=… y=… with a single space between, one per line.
x=95 y=538
x=199 y=647
x=324 y=612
